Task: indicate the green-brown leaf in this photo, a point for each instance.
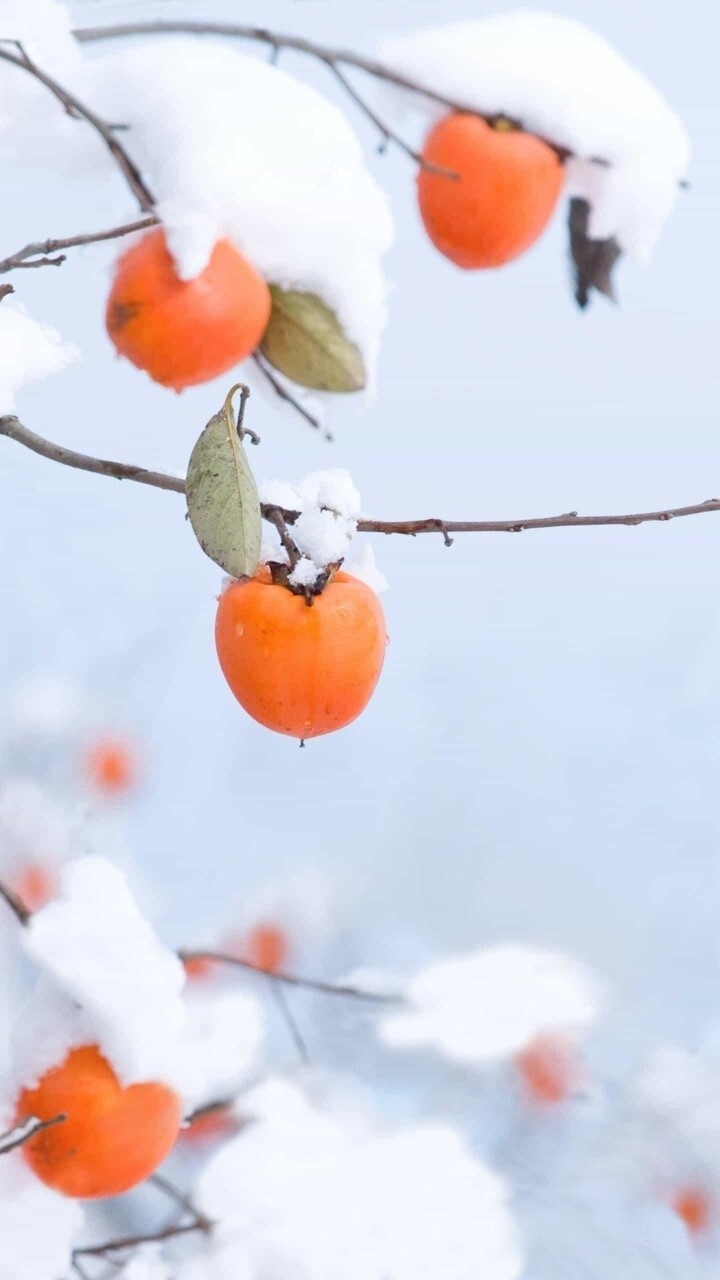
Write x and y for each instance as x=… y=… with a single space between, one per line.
x=222 y=497
x=304 y=341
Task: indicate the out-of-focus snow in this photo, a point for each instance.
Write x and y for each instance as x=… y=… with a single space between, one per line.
x=234 y=147
x=295 y=1195
x=102 y=956
x=37 y=1227
x=32 y=823
x=45 y=705
x=487 y=1005
x=565 y=82
x=219 y=1046
x=29 y=351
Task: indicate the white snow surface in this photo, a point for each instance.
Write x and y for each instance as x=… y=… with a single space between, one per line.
x=364 y=566
x=297 y=1197
x=329 y=506
x=568 y=84
x=486 y=1005
x=219 y=1047
x=37 y=1227
x=96 y=951
x=234 y=147
x=29 y=351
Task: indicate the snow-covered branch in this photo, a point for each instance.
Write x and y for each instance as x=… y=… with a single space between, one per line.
x=22 y=1133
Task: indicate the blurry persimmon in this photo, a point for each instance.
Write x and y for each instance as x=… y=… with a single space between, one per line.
x=183 y=332
x=497 y=195
x=34 y=884
x=110 y=765
x=298 y=670
x=267 y=947
x=112 y=1137
x=693 y=1206
x=549 y=1069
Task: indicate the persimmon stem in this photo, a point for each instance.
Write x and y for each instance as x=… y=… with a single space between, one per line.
x=11 y=427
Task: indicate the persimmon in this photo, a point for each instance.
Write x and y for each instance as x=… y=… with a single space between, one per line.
x=211 y=1125
x=183 y=332
x=197 y=968
x=298 y=670
x=508 y=183
x=34 y=884
x=112 y=1137
x=693 y=1206
x=267 y=946
x=110 y=765
x=549 y=1069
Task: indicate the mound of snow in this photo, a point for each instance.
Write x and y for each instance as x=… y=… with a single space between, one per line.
x=29 y=351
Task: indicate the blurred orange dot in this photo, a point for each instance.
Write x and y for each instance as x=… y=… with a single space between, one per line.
x=693 y=1206
x=35 y=885
x=197 y=968
x=267 y=947
x=549 y=1068
x=214 y=1124
x=111 y=766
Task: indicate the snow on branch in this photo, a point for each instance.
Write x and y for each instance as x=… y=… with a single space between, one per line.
x=22 y=1133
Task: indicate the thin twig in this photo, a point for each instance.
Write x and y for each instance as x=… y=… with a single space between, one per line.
x=329 y=56
x=14 y=430
x=276 y=517
x=387 y=134
x=44 y=247
x=23 y=1132
x=182 y=1199
x=15 y=903
x=291 y=979
x=133 y=1242
x=75 y=107
x=289 y=1019
x=287 y=396
x=5 y=289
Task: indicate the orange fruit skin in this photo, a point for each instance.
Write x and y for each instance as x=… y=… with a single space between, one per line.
x=267 y=947
x=113 y=1138
x=693 y=1207
x=298 y=670
x=549 y=1069
x=505 y=195
x=35 y=885
x=183 y=332
x=110 y=765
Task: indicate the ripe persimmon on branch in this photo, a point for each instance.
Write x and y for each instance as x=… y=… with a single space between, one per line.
x=11 y=427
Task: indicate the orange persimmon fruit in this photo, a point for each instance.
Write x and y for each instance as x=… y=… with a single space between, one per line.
x=112 y=1138
x=549 y=1069
x=298 y=670
x=507 y=185
x=267 y=947
x=693 y=1206
x=183 y=332
x=34 y=884
x=110 y=765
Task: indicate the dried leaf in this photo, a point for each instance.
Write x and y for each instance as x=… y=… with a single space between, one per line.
x=593 y=260
x=222 y=497
x=304 y=341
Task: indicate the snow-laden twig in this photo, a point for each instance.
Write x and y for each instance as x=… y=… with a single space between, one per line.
x=75 y=107
x=11 y=426
x=36 y=254
x=331 y=58
x=22 y=1133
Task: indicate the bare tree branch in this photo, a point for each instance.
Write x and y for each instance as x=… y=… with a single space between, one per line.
x=23 y=1132
x=29 y=255
x=133 y=1242
x=12 y=428
x=181 y=1199
x=291 y=979
x=75 y=107
x=289 y=1019
x=15 y=903
x=283 y=393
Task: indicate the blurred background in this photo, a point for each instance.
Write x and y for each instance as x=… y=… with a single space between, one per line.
x=540 y=760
